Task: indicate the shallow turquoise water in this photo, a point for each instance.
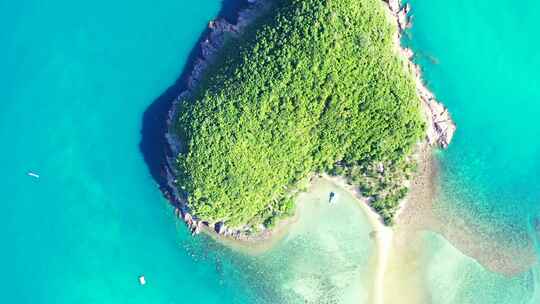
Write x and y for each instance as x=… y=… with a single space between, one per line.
x=327 y=256
x=452 y=277
x=487 y=75
x=75 y=81
x=481 y=60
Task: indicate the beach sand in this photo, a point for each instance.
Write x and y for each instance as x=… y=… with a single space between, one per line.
x=397 y=266
x=382 y=235
x=392 y=260
x=343 y=243
x=257 y=246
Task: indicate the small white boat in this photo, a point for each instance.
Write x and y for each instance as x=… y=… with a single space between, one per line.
x=332 y=197
x=32 y=174
x=142 y=280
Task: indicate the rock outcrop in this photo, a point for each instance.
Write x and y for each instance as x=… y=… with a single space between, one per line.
x=440 y=128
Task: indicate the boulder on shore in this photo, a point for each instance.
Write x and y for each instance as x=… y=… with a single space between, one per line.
x=220 y=228
x=394 y=6
x=441 y=129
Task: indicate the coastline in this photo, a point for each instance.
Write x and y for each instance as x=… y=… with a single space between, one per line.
x=208 y=48
x=390 y=240
x=439 y=130
x=413 y=218
x=440 y=127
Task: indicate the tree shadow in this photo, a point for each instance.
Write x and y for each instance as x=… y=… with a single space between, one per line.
x=153 y=145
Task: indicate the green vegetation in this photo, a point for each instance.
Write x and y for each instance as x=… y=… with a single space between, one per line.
x=311 y=84
x=384 y=184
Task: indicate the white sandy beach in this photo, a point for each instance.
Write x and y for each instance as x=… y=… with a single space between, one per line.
x=382 y=234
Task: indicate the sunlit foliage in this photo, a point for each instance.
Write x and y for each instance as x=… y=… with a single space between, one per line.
x=310 y=84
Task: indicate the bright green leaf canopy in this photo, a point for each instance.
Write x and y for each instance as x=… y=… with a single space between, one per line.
x=309 y=84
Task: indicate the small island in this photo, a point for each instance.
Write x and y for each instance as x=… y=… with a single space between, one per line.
x=295 y=89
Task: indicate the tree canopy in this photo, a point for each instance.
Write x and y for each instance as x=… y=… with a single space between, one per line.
x=310 y=84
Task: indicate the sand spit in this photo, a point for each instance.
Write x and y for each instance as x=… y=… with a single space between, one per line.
x=382 y=234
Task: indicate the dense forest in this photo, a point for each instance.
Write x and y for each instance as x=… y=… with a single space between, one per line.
x=310 y=86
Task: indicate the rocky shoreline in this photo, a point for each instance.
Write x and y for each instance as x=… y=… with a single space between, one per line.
x=209 y=47
x=439 y=132
x=440 y=126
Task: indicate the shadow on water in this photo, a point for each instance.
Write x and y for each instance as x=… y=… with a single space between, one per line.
x=153 y=145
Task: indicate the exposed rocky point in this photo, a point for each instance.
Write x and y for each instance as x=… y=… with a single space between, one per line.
x=440 y=128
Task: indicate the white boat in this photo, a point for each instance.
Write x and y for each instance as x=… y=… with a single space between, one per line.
x=332 y=197
x=32 y=174
x=142 y=280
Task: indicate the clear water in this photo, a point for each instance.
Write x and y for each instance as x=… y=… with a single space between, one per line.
x=76 y=80
x=452 y=277
x=487 y=75
x=327 y=257
x=481 y=60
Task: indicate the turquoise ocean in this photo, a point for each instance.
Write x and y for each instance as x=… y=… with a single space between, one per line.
x=79 y=87
x=481 y=60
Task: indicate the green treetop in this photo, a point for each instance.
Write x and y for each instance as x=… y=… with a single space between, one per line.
x=310 y=84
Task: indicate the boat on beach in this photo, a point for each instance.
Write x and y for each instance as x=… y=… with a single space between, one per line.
x=332 y=197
